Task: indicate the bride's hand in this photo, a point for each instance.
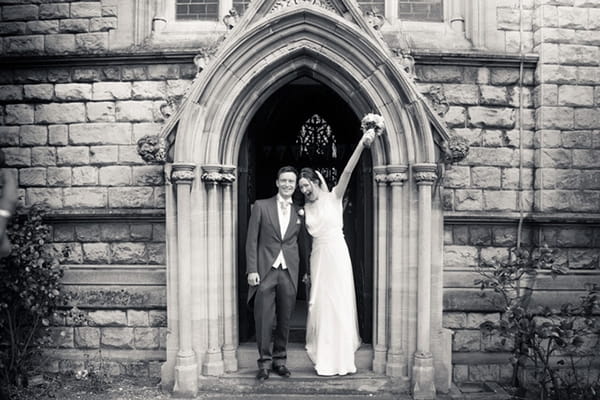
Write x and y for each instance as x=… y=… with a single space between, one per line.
x=368 y=137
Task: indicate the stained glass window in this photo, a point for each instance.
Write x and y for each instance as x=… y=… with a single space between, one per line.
x=317 y=143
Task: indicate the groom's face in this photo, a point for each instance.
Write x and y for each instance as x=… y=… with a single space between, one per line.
x=286 y=183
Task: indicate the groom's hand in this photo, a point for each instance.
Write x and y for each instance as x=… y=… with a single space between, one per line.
x=253 y=278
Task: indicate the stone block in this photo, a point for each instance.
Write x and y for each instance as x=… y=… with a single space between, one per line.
x=59 y=176
x=111 y=90
x=509 y=19
x=475 y=319
x=11 y=92
x=54 y=11
x=550 y=51
x=485 y=177
x=460 y=373
x=115 y=175
x=454 y=320
x=555 y=117
x=548 y=138
x=49 y=196
x=13 y=28
x=141 y=231
x=76 y=25
x=131 y=197
x=572 y=95
x=504 y=236
x=148 y=175
x=134 y=73
x=157 y=318
x=62 y=338
x=178 y=87
x=506 y=373
x=500 y=200
x=457 y=177
x=487 y=156
x=107 y=318
x=135 y=111
x=82 y=197
x=103 y=24
x=114 y=232
x=17 y=157
x=514 y=97
x=146 y=338
x=73 y=91
x=578 y=55
x=557 y=74
x=91 y=42
x=142 y=129
x=455 y=117
x=59 y=113
x=100 y=112
x=109 y=10
x=559 y=178
x=460 y=234
x=594 y=16
x=468 y=200
x=92 y=74
x=87 y=337
x=33 y=135
x=43 y=27
x=9 y=135
x=59 y=75
x=96 y=253
x=30 y=75
x=117 y=338
x=493 y=95
x=60 y=44
x=137 y=318
x=156 y=253
x=586 y=118
x=493 y=138
x=85 y=176
x=461 y=93
x=158 y=233
x=86 y=9
x=42 y=91
x=72 y=155
x=556 y=200
x=32 y=177
x=493 y=255
x=590 y=180
x=128 y=253
x=567 y=237
x=558 y=158
x=504 y=76
x=87 y=232
x=572 y=18
x=491 y=117
x=58 y=135
x=512 y=176
x=159 y=197
x=100 y=133
x=163 y=71
x=18 y=114
x=460 y=256
x=440 y=74
x=63 y=233
x=188 y=71
x=466 y=340
x=129 y=155
x=584 y=258
x=147 y=90
x=104 y=154
x=483 y=372
x=480 y=235
x=20 y=12
x=587 y=75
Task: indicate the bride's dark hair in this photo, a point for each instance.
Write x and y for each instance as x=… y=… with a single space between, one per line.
x=310 y=174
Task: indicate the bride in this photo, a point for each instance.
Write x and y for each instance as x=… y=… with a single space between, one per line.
x=332 y=327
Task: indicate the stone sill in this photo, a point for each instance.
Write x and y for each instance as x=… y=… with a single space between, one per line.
x=106 y=215
x=430 y=57
x=536 y=218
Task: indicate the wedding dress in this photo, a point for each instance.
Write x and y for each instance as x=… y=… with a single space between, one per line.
x=332 y=328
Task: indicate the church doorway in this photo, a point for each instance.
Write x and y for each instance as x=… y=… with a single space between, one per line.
x=306 y=124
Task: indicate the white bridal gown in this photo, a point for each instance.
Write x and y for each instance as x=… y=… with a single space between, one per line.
x=332 y=327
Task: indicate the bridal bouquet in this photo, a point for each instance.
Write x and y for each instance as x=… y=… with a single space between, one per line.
x=372 y=122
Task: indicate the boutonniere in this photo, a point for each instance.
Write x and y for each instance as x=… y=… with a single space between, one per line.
x=300 y=215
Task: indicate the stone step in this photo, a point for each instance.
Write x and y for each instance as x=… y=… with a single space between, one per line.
x=298 y=359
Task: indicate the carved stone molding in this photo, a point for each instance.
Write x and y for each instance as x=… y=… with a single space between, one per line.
x=282 y=4
x=380 y=174
x=218 y=174
x=425 y=174
x=397 y=174
x=183 y=174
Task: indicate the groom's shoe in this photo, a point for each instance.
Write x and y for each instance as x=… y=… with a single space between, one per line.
x=263 y=374
x=282 y=371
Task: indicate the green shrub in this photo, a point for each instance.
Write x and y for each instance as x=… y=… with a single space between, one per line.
x=30 y=292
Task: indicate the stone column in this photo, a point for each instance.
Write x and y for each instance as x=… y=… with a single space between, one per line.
x=423 y=376
x=159 y=21
x=186 y=367
x=229 y=273
x=396 y=357
x=380 y=300
x=213 y=362
x=457 y=15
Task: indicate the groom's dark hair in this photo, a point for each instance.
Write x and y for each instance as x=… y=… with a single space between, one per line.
x=287 y=168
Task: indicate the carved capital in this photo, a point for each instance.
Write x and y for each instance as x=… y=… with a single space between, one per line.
x=425 y=174
x=218 y=174
x=183 y=174
x=380 y=174
x=397 y=174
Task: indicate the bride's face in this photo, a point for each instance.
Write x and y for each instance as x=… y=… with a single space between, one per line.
x=309 y=189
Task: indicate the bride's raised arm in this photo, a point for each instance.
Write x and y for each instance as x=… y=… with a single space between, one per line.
x=365 y=141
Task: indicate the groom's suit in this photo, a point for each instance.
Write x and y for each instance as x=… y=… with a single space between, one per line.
x=275 y=296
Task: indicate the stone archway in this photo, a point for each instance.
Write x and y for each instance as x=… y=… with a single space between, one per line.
x=270 y=47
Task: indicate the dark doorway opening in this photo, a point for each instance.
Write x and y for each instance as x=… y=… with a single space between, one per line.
x=282 y=133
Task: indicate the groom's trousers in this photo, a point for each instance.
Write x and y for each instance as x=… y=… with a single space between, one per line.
x=273 y=305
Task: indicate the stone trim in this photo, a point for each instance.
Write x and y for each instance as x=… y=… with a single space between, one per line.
x=104 y=215
x=397 y=174
x=218 y=174
x=425 y=174
x=456 y=217
x=183 y=173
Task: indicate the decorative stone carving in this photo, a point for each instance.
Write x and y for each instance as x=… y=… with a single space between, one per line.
x=231 y=18
x=455 y=149
x=381 y=178
x=282 y=4
x=374 y=19
x=152 y=149
x=425 y=177
x=183 y=173
x=437 y=99
x=397 y=174
x=217 y=175
x=380 y=174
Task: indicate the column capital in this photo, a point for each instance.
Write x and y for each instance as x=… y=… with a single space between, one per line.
x=218 y=174
x=397 y=174
x=380 y=174
x=425 y=174
x=182 y=173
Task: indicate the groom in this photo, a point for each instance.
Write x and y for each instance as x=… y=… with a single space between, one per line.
x=272 y=261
